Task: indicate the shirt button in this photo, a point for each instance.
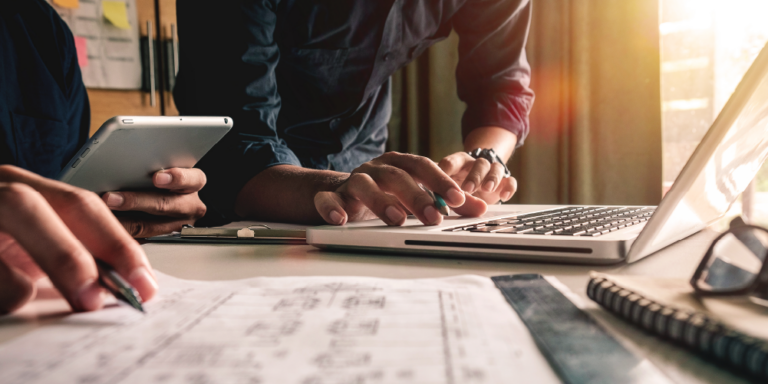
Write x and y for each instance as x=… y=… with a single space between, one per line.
x=335 y=123
x=387 y=56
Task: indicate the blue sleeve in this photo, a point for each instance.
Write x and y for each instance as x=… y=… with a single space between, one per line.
x=79 y=111
x=227 y=67
x=44 y=111
x=493 y=74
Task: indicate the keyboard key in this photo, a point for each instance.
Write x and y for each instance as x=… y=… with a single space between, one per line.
x=483 y=229
x=513 y=227
x=570 y=232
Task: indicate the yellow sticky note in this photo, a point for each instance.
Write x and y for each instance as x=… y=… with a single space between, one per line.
x=67 y=3
x=116 y=13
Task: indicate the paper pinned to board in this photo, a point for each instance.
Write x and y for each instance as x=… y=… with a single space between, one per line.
x=81 y=45
x=114 y=57
x=73 y=4
x=290 y=330
x=116 y=13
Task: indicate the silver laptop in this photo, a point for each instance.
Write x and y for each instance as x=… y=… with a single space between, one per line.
x=727 y=159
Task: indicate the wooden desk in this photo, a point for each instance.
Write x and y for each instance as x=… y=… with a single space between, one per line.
x=226 y=262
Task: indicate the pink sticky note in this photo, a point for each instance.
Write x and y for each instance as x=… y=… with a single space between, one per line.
x=81 y=44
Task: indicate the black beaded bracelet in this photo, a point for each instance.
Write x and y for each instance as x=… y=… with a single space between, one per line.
x=490 y=155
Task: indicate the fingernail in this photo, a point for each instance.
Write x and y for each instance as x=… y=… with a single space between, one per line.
x=336 y=218
x=468 y=186
x=143 y=281
x=455 y=196
x=115 y=200
x=163 y=178
x=505 y=196
x=90 y=296
x=489 y=186
x=432 y=215
x=394 y=215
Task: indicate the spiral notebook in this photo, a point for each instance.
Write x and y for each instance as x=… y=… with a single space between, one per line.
x=731 y=332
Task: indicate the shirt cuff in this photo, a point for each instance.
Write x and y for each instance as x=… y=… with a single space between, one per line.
x=508 y=112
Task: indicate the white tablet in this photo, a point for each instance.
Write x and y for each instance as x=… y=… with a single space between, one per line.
x=127 y=150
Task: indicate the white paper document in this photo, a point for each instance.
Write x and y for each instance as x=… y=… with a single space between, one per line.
x=303 y=330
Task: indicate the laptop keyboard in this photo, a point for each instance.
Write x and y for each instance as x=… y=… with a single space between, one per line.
x=569 y=221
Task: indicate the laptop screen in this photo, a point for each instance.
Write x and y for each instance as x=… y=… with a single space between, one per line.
x=727 y=159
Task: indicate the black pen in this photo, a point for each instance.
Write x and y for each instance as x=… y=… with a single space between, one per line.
x=114 y=283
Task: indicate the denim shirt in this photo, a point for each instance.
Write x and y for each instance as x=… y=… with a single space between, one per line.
x=44 y=112
x=307 y=81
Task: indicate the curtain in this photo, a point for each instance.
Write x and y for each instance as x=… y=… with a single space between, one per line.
x=596 y=122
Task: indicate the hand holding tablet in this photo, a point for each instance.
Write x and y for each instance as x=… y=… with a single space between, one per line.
x=142 y=167
x=174 y=203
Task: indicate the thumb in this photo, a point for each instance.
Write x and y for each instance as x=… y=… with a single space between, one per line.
x=331 y=208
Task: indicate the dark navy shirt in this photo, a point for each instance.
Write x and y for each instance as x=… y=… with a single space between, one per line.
x=44 y=112
x=307 y=81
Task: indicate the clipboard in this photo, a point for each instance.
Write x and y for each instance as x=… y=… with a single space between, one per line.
x=254 y=234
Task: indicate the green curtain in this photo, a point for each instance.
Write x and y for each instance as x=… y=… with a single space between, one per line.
x=596 y=123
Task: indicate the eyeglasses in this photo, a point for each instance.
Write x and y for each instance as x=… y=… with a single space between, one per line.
x=735 y=264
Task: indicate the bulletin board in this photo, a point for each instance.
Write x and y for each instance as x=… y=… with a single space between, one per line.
x=107 y=40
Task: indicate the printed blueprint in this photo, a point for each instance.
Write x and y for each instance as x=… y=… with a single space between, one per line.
x=304 y=330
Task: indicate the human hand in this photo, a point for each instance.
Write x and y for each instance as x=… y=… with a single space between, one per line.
x=388 y=187
x=54 y=229
x=479 y=177
x=176 y=204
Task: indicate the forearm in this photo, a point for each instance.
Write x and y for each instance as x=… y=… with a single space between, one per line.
x=501 y=140
x=285 y=193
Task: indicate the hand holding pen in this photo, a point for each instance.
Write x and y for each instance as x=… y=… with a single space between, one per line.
x=387 y=187
x=440 y=204
x=48 y=228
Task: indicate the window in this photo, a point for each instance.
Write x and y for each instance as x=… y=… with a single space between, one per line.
x=706 y=47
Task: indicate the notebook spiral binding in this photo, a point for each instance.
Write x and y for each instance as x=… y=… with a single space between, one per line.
x=738 y=352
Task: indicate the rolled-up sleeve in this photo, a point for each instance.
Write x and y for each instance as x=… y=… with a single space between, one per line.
x=493 y=74
x=227 y=67
x=257 y=132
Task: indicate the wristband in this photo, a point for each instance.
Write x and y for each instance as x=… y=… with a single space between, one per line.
x=490 y=155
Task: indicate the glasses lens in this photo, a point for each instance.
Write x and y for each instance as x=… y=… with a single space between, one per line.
x=736 y=260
